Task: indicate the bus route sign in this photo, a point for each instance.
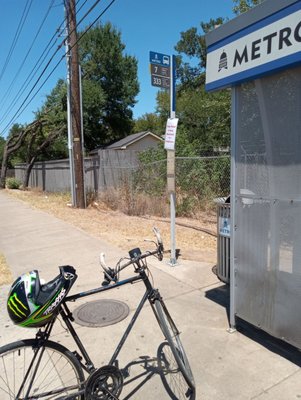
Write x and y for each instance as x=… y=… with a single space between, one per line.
x=160 y=69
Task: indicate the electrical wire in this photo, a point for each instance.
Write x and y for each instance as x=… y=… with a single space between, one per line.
x=35 y=69
x=29 y=79
x=20 y=110
x=88 y=12
x=8 y=91
x=16 y=37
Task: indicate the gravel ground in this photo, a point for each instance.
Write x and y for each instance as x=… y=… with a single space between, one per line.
x=129 y=231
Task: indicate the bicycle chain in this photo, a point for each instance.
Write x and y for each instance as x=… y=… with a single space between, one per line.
x=104 y=384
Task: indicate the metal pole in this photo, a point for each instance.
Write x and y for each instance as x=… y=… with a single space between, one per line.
x=232 y=212
x=70 y=136
x=82 y=126
x=171 y=170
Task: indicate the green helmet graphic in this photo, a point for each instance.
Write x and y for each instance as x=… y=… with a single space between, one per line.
x=31 y=304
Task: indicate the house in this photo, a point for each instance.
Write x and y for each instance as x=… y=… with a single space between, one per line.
x=135 y=142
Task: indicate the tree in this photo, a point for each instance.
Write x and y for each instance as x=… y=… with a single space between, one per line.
x=37 y=142
x=150 y=122
x=16 y=138
x=204 y=118
x=191 y=62
x=110 y=86
x=49 y=140
x=242 y=6
x=2 y=144
x=54 y=116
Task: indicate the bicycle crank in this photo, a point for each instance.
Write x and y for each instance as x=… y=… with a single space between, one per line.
x=104 y=384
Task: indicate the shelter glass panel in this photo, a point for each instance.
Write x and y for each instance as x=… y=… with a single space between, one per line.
x=267 y=206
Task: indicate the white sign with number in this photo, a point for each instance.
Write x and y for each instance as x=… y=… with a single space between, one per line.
x=170 y=133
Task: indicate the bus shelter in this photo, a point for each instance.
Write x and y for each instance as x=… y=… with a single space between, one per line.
x=258 y=56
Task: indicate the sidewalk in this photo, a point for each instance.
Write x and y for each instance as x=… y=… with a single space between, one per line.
x=242 y=366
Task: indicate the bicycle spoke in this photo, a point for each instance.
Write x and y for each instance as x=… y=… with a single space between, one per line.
x=172 y=374
x=53 y=373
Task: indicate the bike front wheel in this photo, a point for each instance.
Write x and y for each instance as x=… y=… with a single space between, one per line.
x=172 y=336
x=29 y=371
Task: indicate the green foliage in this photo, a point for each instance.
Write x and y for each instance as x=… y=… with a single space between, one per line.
x=150 y=122
x=150 y=178
x=54 y=110
x=18 y=155
x=2 y=144
x=205 y=117
x=54 y=116
x=192 y=50
x=13 y=183
x=112 y=88
x=242 y=6
x=199 y=180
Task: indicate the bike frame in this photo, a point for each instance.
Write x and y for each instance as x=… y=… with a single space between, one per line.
x=150 y=294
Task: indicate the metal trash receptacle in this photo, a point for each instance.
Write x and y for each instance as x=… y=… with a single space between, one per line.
x=223 y=239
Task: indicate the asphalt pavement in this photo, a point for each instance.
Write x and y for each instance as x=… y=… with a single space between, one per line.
x=244 y=365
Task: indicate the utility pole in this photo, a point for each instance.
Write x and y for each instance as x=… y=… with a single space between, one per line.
x=70 y=135
x=75 y=106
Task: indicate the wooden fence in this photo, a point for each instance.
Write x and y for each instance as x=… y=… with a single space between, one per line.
x=106 y=169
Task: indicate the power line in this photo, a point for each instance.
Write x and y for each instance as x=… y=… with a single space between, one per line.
x=35 y=69
x=88 y=12
x=29 y=79
x=20 y=110
x=8 y=91
x=16 y=37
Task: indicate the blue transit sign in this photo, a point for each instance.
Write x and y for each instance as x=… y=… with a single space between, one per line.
x=159 y=59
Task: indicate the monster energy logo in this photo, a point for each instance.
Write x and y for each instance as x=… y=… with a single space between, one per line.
x=16 y=306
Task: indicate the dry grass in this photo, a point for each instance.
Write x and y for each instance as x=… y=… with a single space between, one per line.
x=127 y=231
x=5 y=274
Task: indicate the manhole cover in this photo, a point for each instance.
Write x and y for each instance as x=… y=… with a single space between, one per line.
x=101 y=313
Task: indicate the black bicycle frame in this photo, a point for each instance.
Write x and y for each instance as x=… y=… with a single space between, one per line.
x=150 y=294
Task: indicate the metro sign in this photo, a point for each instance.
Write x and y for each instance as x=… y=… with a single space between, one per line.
x=266 y=46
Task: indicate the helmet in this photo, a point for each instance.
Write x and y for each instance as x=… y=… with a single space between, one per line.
x=31 y=304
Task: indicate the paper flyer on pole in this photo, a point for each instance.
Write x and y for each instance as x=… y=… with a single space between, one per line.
x=170 y=133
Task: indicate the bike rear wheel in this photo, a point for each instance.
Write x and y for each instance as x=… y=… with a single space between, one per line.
x=172 y=336
x=29 y=371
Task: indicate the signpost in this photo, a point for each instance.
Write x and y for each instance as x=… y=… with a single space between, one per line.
x=162 y=68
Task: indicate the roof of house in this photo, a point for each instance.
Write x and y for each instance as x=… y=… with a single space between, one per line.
x=127 y=141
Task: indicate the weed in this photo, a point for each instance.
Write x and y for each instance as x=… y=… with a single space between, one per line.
x=13 y=183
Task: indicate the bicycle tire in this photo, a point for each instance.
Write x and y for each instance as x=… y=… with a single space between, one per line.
x=172 y=336
x=59 y=373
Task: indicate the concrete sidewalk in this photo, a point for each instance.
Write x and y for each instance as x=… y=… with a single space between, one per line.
x=242 y=365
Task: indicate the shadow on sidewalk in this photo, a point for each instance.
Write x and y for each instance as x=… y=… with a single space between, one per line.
x=221 y=296
x=164 y=366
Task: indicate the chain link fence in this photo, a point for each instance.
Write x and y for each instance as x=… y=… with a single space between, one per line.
x=198 y=181
x=125 y=182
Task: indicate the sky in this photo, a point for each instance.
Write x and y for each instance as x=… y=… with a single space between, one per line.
x=29 y=26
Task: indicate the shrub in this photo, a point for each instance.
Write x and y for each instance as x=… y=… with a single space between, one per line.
x=13 y=183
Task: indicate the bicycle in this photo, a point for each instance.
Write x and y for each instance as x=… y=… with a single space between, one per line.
x=39 y=368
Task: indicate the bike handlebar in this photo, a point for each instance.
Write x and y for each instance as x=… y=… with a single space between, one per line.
x=111 y=274
x=140 y=257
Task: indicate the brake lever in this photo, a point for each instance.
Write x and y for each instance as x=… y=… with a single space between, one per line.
x=150 y=241
x=109 y=273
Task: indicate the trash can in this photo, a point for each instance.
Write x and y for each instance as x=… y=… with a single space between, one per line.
x=223 y=239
